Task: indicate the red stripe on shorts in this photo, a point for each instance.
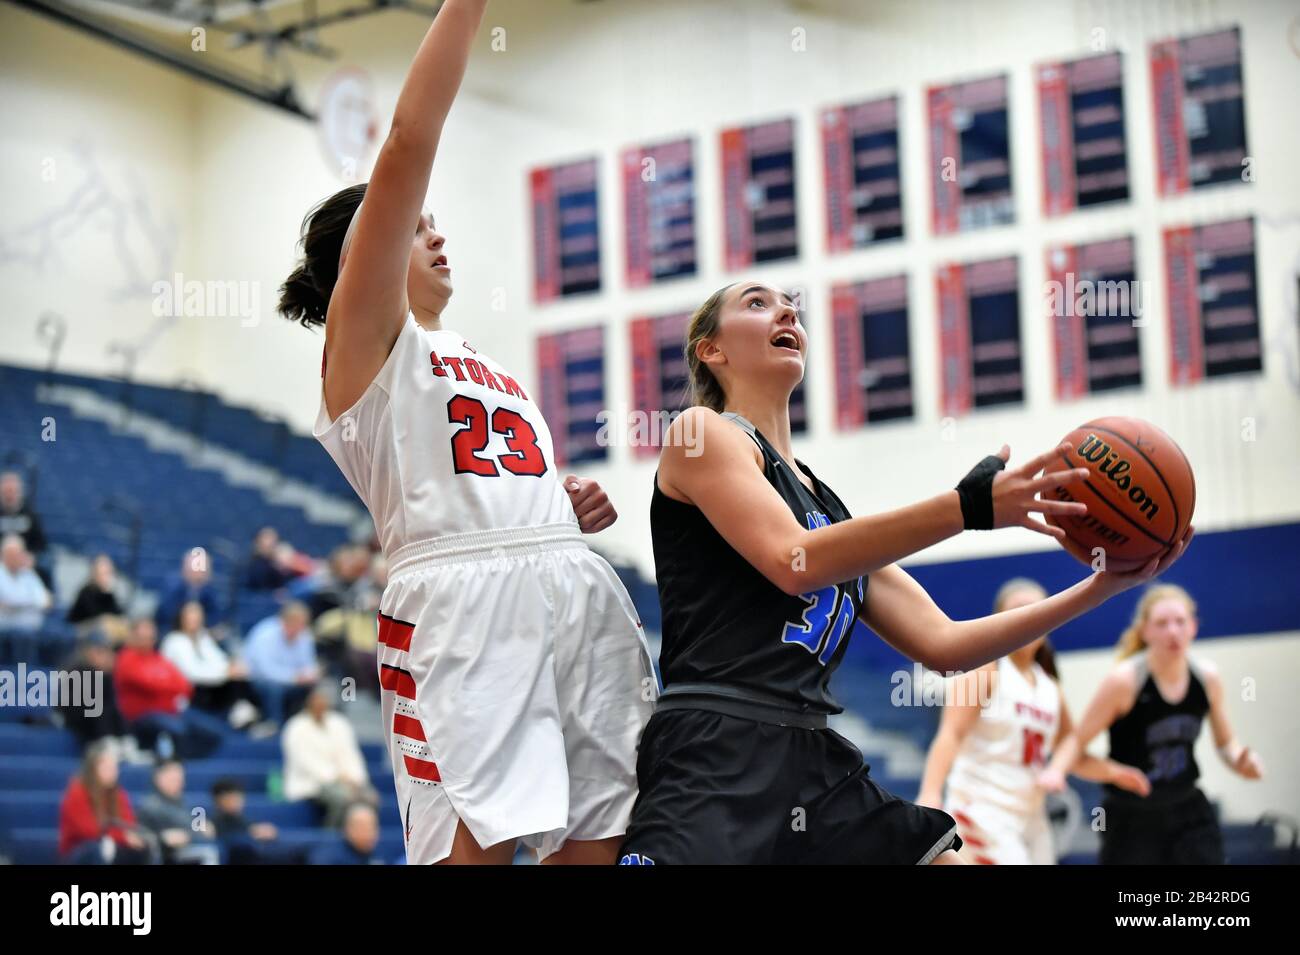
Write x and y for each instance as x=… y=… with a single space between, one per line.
x=399 y=681
x=422 y=769
x=395 y=633
x=410 y=728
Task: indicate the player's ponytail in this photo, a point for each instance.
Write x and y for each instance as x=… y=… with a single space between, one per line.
x=704 y=389
x=305 y=294
x=1130 y=641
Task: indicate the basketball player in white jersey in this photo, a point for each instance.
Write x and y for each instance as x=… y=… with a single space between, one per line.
x=999 y=726
x=515 y=680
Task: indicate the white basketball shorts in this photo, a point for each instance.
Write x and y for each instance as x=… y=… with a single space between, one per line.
x=994 y=835
x=515 y=684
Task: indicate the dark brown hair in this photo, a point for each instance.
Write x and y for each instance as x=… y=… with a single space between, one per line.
x=703 y=388
x=103 y=799
x=305 y=294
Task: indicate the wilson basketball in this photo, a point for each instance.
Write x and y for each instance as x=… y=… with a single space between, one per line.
x=1140 y=494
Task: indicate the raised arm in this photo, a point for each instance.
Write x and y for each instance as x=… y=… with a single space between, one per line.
x=722 y=474
x=369 y=304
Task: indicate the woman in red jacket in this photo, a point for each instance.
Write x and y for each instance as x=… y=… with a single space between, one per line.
x=153 y=697
x=96 y=824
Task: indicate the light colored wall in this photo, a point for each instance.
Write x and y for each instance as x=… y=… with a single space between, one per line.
x=583 y=79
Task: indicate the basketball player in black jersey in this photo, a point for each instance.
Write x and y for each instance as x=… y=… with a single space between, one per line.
x=1153 y=703
x=762 y=573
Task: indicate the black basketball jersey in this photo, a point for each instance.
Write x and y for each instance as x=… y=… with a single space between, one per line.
x=724 y=622
x=1158 y=737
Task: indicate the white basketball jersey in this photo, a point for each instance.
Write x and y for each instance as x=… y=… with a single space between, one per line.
x=445 y=441
x=1008 y=746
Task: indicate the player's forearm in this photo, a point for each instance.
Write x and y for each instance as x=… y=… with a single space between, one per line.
x=937 y=764
x=863 y=545
x=972 y=643
x=435 y=75
x=1066 y=755
x=1094 y=768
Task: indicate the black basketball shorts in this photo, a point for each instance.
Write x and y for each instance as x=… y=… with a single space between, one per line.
x=719 y=789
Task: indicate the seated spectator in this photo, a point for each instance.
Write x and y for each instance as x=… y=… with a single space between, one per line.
x=244 y=842
x=348 y=635
x=17 y=517
x=322 y=761
x=92 y=664
x=273 y=562
x=96 y=606
x=219 y=682
x=359 y=838
x=96 y=825
x=193 y=583
x=184 y=836
x=338 y=585
x=23 y=602
x=281 y=655
x=153 y=698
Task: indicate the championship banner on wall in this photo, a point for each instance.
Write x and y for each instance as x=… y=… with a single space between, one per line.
x=1200 y=113
x=979 y=335
x=566 y=230
x=1081 y=133
x=571 y=392
x=659 y=211
x=864 y=198
x=873 y=374
x=1093 y=301
x=1213 y=301
x=758 y=194
x=970 y=155
x=659 y=376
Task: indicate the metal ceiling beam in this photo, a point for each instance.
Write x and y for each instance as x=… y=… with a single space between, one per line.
x=281 y=97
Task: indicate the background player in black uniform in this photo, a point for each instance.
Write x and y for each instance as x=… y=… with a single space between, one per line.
x=1153 y=703
x=761 y=573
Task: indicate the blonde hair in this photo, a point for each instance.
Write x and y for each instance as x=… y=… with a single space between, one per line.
x=1130 y=641
x=704 y=389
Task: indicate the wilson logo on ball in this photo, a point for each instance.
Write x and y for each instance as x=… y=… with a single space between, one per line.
x=1098 y=452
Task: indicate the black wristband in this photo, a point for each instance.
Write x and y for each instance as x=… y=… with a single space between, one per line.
x=976 y=494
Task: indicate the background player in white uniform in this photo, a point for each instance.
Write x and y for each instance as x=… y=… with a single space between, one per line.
x=999 y=727
x=515 y=680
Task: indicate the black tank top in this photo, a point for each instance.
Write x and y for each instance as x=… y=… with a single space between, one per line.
x=1158 y=738
x=724 y=622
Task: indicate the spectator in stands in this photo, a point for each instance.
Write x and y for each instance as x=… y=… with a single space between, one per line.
x=96 y=824
x=244 y=842
x=94 y=658
x=17 y=517
x=281 y=655
x=322 y=761
x=185 y=836
x=23 y=601
x=220 y=683
x=360 y=837
x=273 y=562
x=193 y=583
x=96 y=606
x=153 y=697
x=338 y=585
x=346 y=636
